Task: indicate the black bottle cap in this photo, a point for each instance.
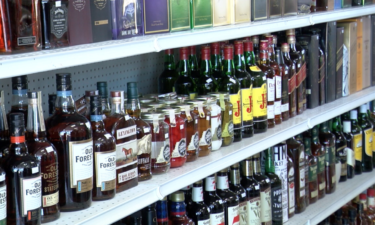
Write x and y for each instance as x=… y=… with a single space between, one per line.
x=352 y=213
x=96 y=105
x=102 y=88
x=32 y=94
x=17 y=124
x=359 y=207
x=132 y=92
x=51 y=103
x=63 y=82
x=19 y=83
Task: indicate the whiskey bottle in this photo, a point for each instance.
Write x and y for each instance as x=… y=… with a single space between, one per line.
x=372 y=121
x=296 y=152
x=283 y=86
x=350 y=157
x=265 y=191
x=19 y=96
x=185 y=84
x=51 y=104
x=299 y=138
x=230 y=199
x=3 y=194
x=252 y=189
x=123 y=128
x=4 y=129
x=193 y=63
x=169 y=75
x=71 y=134
x=23 y=181
x=45 y=152
x=162 y=212
x=328 y=140
x=276 y=189
x=149 y=215
x=357 y=141
x=312 y=162
x=178 y=210
x=133 y=109
x=255 y=40
x=318 y=151
x=213 y=201
x=236 y=187
x=366 y=127
x=281 y=169
x=188 y=198
x=206 y=83
x=104 y=154
x=103 y=92
x=341 y=147
x=246 y=86
x=87 y=100
x=291 y=80
x=291 y=188
x=200 y=213
x=216 y=61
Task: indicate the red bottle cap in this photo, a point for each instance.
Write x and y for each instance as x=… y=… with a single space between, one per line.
x=370 y=192
x=270 y=39
x=263 y=45
x=205 y=52
x=115 y=94
x=91 y=93
x=228 y=52
x=169 y=51
x=238 y=48
x=184 y=53
x=362 y=196
x=215 y=47
x=248 y=46
x=193 y=50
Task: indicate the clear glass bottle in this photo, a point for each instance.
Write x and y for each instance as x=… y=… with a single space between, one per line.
x=169 y=75
x=103 y=92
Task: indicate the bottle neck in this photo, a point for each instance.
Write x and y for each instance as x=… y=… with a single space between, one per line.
x=286 y=55
x=222 y=181
x=210 y=184
x=292 y=46
x=238 y=63
x=248 y=169
x=197 y=193
x=205 y=70
x=178 y=209
x=335 y=126
x=17 y=141
x=116 y=106
x=263 y=58
x=97 y=123
x=235 y=176
x=228 y=69
x=256 y=163
x=193 y=60
x=362 y=116
x=184 y=68
x=216 y=62
x=19 y=97
x=169 y=63
x=35 y=120
x=249 y=58
x=133 y=108
x=65 y=102
x=4 y=129
x=269 y=167
x=323 y=127
x=271 y=52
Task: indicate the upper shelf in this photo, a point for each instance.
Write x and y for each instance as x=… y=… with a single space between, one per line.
x=47 y=60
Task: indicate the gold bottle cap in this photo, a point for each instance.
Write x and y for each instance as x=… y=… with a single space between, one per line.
x=178 y=196
x=285 y=47
x=274 y=39
x=290 y=32
x=291 y=39
x=198 y=182
x=225 y=170
x=235 y=166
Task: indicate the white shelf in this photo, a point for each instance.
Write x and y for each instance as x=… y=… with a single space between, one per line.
x=35 y=62
x=145 y=193
x=344 y=193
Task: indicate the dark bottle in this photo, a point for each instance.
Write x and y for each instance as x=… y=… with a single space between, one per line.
x=188 y=198
x=177 y=210
x=318 y=151
x=357 y=141
x=230 y=199
x=51 y=104
x=206 y=83
x=46 y=154
x=299 y=138
x=71 y=134
x=169 y=76
x=285 y=49
x=86 y=108
x=237 y=188
x=341 y=147
x=246 y=86
x=229 y=84
x=103 y=92
x=184 y=84
x=216 y=61
x=252 y=189
x=291 y=188
x=149 y=215
x=3 y=194
x=280 y=163
x=193 y=62
x=372 y=121
x=23 y=181
x=276 y=189
x=350 y=158
x=352 y=213
x=296 y=152
x=213 y=201
x=361 y=217
x=162 y=211
x=249 y=55
x=200 y=213
x=123 y=128
x=255 y=40
x=133 y=109
x=19 y=96
x=328 y=140
x=133 y=219
x=283 y=86
x=4 y=129
x=338 y=217
x=312 y=162
x=366 y=127
x=265 y=191
x=104 y=181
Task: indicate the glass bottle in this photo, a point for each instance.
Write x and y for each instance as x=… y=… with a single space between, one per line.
x=19 y=96
x=184 y=84
x=372 y=121
x=169 y=75
x=285 y=49
x=299 y=138
x=123 y=128
x=230 y=199
x=177 y=210
x=188 y=198
x=149 y=215
x=231 y=85
x=193 y=63
x=291 y=188
x=162 y=211
x=71 y=134
x=104 y=181
x=357 y=141
x=265 y=191
x=252 y=189
x=366 y=211
x=312 y=162
x=200 y=212
x=341 y=147
x=46 y=154
x=133 y=109
x=103 y=92
x=280 y=163
x=296 y=152
x=352 y=216
x=366 y=127
x=213 y=201
x=236 y=187
x=216 y=61
x=4 y=129
x=255 y=40
x=23 y=174
x=328 y=140
x=51 y=104
x=350 y=157
x=206 y=82
x=318 y=151
x=3 y=194
x=249 y=55
x=87 y=99
x=283 y=86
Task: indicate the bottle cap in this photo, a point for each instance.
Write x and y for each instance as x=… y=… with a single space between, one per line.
x=63 y=82
x=263 y=45
x=285 y=47
x=205 y=52
x=168 y=51
x=246 y=39
x=132 y=92
x=91 y=93
x=184 y=53
x=290 y=32
x=116 y=93
x=32 y=94
x=228 y=52
x=291 y=39
x=362 y=196
x=255 y=39
x=248 y=46
x=215 y=48
x=102 y=88
x=177 y=197
x=363 y=108
x=238 y=48
x=370 y=192
x=353 y=114
x=19 y=83
x=17 y=124
x=346 y=126
x=193 y=50
x=274 y=40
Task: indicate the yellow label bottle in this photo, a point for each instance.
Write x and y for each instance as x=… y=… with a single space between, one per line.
x=368 y=141
x=260 y=101
x=236 y=101
x=246 y=102
x=357 y=145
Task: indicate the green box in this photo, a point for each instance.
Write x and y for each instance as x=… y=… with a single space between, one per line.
x=201 y=13
x=179 y=14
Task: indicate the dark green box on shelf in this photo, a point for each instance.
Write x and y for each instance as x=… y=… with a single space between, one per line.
x=179 y=14
x=201 y=13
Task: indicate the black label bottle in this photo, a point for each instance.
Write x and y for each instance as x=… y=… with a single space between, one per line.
x=280 y=163
x=291 y=189
x=366 y=127
x=328 y=140
x=350 y=156
x=357 y=141
x=149 y=215
x=213 y=201
x=283 y=86
x=199 y=212
x=169 y=76
x=237 y=188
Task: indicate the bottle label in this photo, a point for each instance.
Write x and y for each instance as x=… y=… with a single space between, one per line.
x=233 y=215
x=31 y=192
x=210 y=184
x=105 y=170
x=260 y=101
x=194 y=142
x=50 y=200
x=350 y=158
x=373 y=143
x=50 y=184
x=271 y=89
x=126 y=153
x=291 y=187
x=197 y=194
x=243 y=212
x=302 y=173
x=313 y=172
x=277 y=107
x=59 y=20
x=206 y=138
x=292 y=84
x=357 y=147
x=285 y=107
x=217 y=218
x=277 y=205
x=278 y=86
x=222 y=182
x=160 y=150
x=3 y=202
x=235 y=99
x=81 y=165
x=330 y=155
x=368 y=142
x=216 y=126
x=144 y=144
x=228 y=130
x=179 y=149
x=204 y=222
x=127 y=175
x=314 y=194
x=265 y=203
x=79 y=5
x=254 y=211
x=126 y=132
x=246 y=97
x=270 y=112
x=321 y=163
x=281 y=169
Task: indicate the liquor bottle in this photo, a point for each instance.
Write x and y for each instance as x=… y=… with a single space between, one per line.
x=280 y=157
x=328 y=140
x=236 y=187
x=184 y=84
x=169 y=75
x=193 y=63
x=283 y=86
x=213 y=201
x=277 y=77
x=318 y=151
x=188 y=198
x=291 y=188
x=162 y=211
x=23 y=181
x=230 y=199
x=361 y=217
x=51 y=104
x=133 y=109
x=46 y=154
x=206 y=83
x=291 y=79
x=372 y=121
x=341 y=146
x=200 y=213
x=299 y=138
x=103 y=92
x=357 y=141
x=366 y=211
x=255 y=40
x=4 y=129
x=134 y=219
x=265 y=191
x=124 y=130
x=246 y=86
x=216 y=61
x=276 y=188
x=366 y=127
x=312 y=162
x=249 y=55
x=149 y=215
x=19 y=96
x=70 y=133
x=3 y=194
x=231 y=85
x=350 y=157
x=177 y=210
x=104 y=154
x=296 y=152
x=86 y=107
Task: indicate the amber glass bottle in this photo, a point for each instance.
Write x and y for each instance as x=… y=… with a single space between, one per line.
x=283 y=86
x=312 y=164
x=292 y=80
x=318 y=151
x=177 y=213
x=328 y=140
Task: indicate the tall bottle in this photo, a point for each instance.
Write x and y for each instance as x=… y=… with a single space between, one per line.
x=103 y=92
x=350 y=157
x=265 y=191
x=255 y=40
x=206 y=83
x=231 y=85
x=200 y=213
x=299 y=138
x=87 y=106
x=169 y=75
x=71 y=134
x=216 y=61
x=341 y=147
x=246 y=92
x=46 y=154
x=213 y=201
x=178 y=211
x=312 y=162
x=285 y=49
x=162 y=211
x=372 y=120
x=123 y=128
x=237 y=188
x=23 y=181
x=19 y=96
x=4 y=129
x=328 y=140
x=188 y=198
x=51 y=104
x=193 y=62
x=357 y=141
x=291 y=188
x=366 y=127
x=104 y=154
x=283 y=86
x=184 y=84
x=318 y=151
